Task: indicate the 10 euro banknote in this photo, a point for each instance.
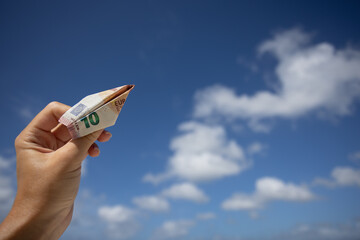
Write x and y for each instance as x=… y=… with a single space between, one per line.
x=96 y=111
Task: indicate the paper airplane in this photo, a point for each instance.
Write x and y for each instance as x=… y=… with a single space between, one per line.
x=96 y=111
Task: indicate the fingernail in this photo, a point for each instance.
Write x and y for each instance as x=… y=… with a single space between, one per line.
x=96 y=148
x=108 y=134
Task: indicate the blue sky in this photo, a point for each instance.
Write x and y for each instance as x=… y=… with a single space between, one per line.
x=244 y=122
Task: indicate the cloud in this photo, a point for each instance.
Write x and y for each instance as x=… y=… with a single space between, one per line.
x=173 y=229
x=5 y=163
x=121 y=221
x=7 y=189
x=26 y=113
x=341 y=176
x=355 y=157
x=152 y=203
x=206 y=216
x=255 y=148
x=268 y=189
x=202 y=152
x=349 y=230
x=187 y=191
x=311 y=77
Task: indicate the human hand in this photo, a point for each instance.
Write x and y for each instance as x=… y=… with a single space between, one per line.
x=48 y=176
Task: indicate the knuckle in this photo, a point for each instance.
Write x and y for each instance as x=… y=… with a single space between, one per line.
x=53 y=105
x=17 y=141
x=91 y=138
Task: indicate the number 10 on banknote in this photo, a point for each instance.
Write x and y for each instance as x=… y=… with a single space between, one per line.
x=96 y=111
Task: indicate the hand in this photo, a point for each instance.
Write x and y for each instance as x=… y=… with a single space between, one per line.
x=48 y=176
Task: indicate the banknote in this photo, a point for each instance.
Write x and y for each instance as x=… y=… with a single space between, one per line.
x=96 y=111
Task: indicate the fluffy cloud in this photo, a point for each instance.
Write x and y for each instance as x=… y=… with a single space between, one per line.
x=152 y=203
x=121 y=221
x=173 y=229
x=312 y=77
x=341 y=176
x=202 y=152
x=187 y=191
x=268 y=189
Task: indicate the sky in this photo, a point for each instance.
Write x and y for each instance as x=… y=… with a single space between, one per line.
x=243 y=124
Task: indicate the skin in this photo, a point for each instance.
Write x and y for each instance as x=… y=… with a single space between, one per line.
x=48 y=176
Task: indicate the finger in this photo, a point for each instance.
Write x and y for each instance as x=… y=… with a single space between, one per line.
x=94 y=150
x=77 y=149
x=105 y=136
x=61 y=132
x=48 y=118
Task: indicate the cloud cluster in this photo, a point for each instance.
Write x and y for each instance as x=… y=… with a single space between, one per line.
x=181 y=191
x=311 y=77
x=341 y=176
x=350 y=230
x=268 y=189
x=202 y=152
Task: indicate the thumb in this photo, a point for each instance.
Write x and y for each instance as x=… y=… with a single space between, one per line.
x=76 y=150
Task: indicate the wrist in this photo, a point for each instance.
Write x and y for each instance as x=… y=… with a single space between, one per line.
x=26 y=221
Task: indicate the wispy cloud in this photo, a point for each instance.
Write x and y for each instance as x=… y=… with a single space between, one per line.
x=355 y=157
x=206 y=216
x=349 y=230
x=173 y=229
x=256 y=148
x=152 y=203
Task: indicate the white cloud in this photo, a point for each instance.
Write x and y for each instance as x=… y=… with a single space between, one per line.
x=341 y=176
x=206 y=216
x=121 y=221
x=7 y=190
x=202 y=152
x=173 y=229
x=255 y=148
x=268 y=189
x=242 y=202
x=187 y=191
x=152 y=203
x=312 y=77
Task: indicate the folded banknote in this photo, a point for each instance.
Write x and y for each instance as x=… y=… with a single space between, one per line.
x=96 y=111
